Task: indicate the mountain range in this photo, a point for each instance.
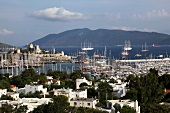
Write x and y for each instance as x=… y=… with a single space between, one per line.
x=3 y=45
x=102 y=37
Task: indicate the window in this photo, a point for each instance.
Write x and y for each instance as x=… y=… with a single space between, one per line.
x=75 y=103
x=88 y=104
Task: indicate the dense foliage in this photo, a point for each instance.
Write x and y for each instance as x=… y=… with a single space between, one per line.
x=149 y=91
x=9 y=109
x=28 y=76
x=60 y=105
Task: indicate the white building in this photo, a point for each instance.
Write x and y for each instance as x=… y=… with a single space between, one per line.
x=14 y=95
x=133 y=104
x=3 y=92
x=83 y=102
x=79 y=94
x=63 y=91
x=32 y=89
x=13 y=88
x=119 y=89
x=50 y=80
x=82 y=80
x=70 y=93
x=37 y=49
x=33 y=103
x=30 y=46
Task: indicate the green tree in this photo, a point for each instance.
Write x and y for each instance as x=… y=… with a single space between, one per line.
x=40 y=109
x=17 y=81
x=70 y=84
x=6 y=97
x=166 y=98
x=155 y=108
x=4 y=84
x=91 y=93
x=42 y=78
x=150 y=90
x=88 y=110
x=21 y=109
x=127 y=109
x=131 y=94
x=84 y=84
x=105 y=91
x=76 y=74
x=59 y=105
x=6 y=109
x=37 y=94
x=165 y=79
x=113 y=81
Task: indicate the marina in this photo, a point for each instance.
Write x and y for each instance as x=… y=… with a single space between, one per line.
x=107 y=60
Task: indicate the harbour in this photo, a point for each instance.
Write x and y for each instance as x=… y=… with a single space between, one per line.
x=98 y=60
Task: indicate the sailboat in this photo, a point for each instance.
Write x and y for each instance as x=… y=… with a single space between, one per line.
x=145 y=48
x=127 y=45
x=87 y=46
x=125 y=53
x=138 y=55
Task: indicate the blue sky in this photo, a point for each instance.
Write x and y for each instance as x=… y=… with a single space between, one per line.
x=22 y=22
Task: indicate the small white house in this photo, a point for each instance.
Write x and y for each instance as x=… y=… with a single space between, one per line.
x=70 y=93
x=82 y=80
x=119 y=89
x=133 y=104
x=3 y=92
x=79 y=94
x=83 y=102
x=14 y=95
x=63 y=91
x=32 y=89
x=33 y=103
x=50 y=80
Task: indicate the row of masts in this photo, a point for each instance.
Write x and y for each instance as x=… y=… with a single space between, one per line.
x=127 y=47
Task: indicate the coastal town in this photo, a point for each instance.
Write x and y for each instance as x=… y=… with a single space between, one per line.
x=99 y=83
x=84 y=56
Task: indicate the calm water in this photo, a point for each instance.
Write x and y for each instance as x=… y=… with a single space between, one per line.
x=115 y=51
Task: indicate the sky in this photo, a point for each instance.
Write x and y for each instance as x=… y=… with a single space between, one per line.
x=24 y=21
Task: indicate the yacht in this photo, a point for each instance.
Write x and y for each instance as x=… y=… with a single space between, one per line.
x=87 y=46
x=144 y=49
x=127 y=45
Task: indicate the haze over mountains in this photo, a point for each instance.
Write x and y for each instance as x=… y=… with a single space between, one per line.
x=3 y=45
x=102 y=37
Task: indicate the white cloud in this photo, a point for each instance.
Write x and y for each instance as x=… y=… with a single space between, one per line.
x=152 y=14
x=125 y=28
x=117 y=16
x=57 y=14
x=5 y=32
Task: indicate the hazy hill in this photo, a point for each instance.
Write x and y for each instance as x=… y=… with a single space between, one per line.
x=102 y=37
x=3 y=45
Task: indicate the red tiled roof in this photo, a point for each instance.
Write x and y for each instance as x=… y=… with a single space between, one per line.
x=12 y=86
x=167 y=91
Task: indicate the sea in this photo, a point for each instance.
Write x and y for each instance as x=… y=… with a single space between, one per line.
x=111 y=52
x=114 y=52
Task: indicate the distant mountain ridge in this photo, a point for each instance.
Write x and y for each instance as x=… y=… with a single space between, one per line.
x=102 y=37
x=3 y=45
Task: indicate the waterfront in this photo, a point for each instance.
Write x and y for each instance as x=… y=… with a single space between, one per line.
x=68 y=67
x=112 y=53
x=115 y=51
